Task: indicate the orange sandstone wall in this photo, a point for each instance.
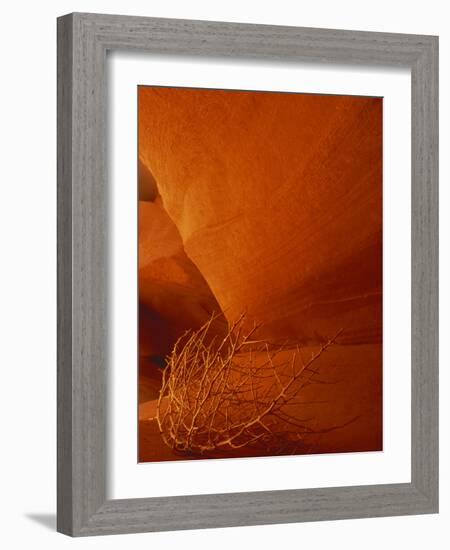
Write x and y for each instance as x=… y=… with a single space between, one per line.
x=275 y=202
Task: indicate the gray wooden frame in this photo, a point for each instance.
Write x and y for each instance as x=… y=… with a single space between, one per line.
x=83 y=40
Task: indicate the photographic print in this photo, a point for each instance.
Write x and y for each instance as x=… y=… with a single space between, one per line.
x=259 y=273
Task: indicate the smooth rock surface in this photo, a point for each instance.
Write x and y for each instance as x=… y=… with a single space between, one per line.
x=277 y=198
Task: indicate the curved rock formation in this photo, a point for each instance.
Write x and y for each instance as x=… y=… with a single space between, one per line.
x=277 y=198
x=173 y=295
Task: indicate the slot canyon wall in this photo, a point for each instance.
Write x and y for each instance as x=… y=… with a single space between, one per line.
x=268 y=203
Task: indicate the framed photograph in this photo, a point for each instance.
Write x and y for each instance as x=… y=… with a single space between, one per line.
x=247 y=274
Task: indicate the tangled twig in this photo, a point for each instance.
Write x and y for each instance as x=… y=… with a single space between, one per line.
x=233 y=393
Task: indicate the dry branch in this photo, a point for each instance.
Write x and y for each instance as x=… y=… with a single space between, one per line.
x=233 y=393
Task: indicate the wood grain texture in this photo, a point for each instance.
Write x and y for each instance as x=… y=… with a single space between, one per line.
x=64 y=299
x=425 y=273
x=83 y=40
